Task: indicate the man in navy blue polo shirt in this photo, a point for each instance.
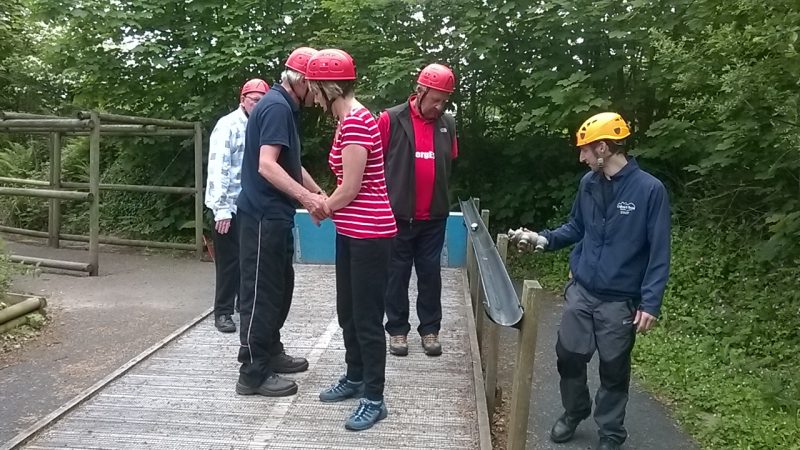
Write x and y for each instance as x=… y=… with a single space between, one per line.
x=273 y=179
x=620 y=223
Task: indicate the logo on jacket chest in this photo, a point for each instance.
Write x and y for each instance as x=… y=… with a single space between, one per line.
x=626 y=208
x=425 y=155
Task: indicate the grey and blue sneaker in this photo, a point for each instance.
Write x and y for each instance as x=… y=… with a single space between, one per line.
x=366 y=414
x=342 y=390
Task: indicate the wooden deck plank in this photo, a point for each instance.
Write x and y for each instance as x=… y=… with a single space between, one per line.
x=183 y=395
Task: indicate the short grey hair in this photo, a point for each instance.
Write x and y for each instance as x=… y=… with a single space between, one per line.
x=292 y=77
x=332 y=89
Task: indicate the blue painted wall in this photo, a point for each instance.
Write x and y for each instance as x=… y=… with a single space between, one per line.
x=316 y=245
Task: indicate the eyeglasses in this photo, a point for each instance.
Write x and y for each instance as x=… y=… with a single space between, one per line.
x=252 y=99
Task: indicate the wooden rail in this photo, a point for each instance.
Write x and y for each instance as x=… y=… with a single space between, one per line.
x=95 y=124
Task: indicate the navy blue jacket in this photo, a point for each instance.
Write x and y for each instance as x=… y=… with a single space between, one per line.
x=624 y=253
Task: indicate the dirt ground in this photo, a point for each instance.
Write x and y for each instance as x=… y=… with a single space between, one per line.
x=500 y=421
x=95 y=324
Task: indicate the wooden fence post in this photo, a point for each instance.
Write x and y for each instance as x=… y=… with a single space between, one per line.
x=198 y=190
x=94 y=189
x=523 y=369
x=492 y=346
x=54 y=216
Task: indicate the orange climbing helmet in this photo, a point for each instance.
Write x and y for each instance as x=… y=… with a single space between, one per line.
x=255 y=85
x=607 y=125
x=437 y=76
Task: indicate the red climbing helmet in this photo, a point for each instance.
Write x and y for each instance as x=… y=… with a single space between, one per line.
x=437 y=76
x=298 y=60
x=255 y=85
x=331 y=64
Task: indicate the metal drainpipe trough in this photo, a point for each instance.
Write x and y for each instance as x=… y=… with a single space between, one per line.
x=500 y=298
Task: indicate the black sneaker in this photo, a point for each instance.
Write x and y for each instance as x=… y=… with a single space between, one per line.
x=564 y=428
x=342 y=390
x=284 y=363
x=274 y=386
x=224 y=323
x=366 y=414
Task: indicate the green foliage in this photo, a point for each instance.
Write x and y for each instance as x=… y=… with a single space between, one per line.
x=733 y=82
x=726 y=347
x=6 y=270
x=28 y=81
x=710 y=91
x=23 y=160
x=11 y=21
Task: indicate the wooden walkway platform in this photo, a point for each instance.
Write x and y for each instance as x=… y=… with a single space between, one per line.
x=181 y=396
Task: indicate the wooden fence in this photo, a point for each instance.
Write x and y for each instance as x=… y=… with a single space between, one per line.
x=94 y=125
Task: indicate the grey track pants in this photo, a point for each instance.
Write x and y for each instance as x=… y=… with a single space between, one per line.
x=590 y=324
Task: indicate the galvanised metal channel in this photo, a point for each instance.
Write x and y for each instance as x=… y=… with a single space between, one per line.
x=500 y=298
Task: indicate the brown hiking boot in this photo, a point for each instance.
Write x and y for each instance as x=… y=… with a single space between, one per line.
x=430 y=342
x=398 y=345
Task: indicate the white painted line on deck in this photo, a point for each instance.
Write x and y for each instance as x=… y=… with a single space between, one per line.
x=277 y=412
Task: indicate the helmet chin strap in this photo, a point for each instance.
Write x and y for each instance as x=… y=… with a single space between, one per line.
x=300 y=99
x=419 y=102
x=420 y=98
x=328 y=103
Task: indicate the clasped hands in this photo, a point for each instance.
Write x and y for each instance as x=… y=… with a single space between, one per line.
x=317 y=206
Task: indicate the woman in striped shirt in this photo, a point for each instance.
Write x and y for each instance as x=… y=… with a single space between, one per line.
x=365 y=227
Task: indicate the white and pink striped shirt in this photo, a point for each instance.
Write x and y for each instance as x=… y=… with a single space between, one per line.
x=369 y=215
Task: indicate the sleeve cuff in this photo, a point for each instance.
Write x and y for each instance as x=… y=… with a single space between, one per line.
x=222 y=214
x=649 y=309
x=546 y=234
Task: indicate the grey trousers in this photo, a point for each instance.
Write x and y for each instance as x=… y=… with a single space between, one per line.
x=590 y=324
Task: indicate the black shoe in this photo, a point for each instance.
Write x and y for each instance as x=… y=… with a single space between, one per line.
x=607 y=443
x=284 y=363
x=273 y=386
x=224 y=323
x=564 y=428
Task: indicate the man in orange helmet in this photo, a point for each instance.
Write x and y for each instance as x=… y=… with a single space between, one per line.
x=419 y=141
x=273 y=181
x=620 y=223
x=223 y=185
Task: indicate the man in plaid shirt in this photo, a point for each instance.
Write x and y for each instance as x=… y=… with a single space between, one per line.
x=226 y=148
